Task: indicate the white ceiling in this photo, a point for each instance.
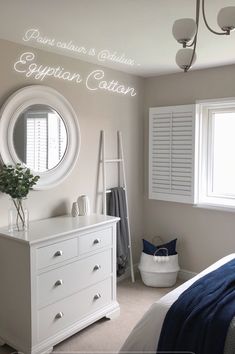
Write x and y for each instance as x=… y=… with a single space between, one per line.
x=139 y=28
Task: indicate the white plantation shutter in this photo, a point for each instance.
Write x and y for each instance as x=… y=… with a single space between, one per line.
x=46 y=140
x=36 y=130
x=171 y=153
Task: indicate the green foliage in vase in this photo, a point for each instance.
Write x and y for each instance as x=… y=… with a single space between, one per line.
x=17 y=180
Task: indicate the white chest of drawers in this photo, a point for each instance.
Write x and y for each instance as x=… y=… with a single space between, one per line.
x=56 y=279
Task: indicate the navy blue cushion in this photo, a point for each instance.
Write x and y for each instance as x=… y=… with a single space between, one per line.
x=150 y=248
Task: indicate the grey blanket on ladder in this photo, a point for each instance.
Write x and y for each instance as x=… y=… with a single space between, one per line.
x=117 y=207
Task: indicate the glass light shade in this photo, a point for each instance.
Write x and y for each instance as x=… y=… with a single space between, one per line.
x=183 y=58
x=184 y=30
x=226 y=18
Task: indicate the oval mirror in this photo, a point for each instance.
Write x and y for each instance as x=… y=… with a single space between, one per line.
x=39 y=128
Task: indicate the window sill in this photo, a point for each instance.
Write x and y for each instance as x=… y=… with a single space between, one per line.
x=217 y=207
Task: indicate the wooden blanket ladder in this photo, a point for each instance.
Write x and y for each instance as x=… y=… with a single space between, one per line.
x=121 y=180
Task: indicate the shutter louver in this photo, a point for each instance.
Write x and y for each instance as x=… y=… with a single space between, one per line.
x=171 y=153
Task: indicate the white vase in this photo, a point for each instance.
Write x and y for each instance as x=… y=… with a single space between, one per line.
x=75 y=210
x=84 y=205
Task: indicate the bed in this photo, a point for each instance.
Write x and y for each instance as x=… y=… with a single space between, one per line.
x=145 y=335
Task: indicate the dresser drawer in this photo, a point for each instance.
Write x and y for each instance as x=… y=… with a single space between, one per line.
x=56 y=253
x=64 y=281
x=56 y=317
x=94 y=241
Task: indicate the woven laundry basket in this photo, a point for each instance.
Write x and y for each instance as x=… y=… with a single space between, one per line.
x=159 y=271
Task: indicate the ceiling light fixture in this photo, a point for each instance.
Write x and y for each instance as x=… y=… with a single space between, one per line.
x=185 y=31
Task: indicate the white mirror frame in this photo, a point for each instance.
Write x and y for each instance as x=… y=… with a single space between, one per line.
x=15 y=105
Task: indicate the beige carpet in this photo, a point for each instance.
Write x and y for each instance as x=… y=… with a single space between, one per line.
x=109 y=335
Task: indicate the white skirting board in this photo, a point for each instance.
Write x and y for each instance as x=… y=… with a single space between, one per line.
x=186 y=275
x=183 y=275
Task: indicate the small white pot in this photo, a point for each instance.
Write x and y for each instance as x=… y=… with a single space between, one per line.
x=75 y=210
x=84 y=205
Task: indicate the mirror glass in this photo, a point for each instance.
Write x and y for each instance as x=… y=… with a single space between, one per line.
x=40 y=138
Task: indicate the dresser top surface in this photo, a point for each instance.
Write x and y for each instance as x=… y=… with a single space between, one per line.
x=47 y=229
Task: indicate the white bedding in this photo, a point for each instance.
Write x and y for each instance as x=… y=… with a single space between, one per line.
x=145 y=335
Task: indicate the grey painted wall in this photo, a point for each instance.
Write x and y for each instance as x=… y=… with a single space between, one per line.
x=96 y=110
x=206 y=235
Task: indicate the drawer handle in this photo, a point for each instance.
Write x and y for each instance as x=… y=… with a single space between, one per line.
x=59 y=315
x=96 y=241
x=97 y=296
x=59 y=282
x=97 y=267
x=58 y=253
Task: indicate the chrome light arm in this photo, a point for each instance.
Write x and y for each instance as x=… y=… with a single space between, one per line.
x=227 y=32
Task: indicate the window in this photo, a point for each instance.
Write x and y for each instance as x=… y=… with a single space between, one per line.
x=216 y=153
